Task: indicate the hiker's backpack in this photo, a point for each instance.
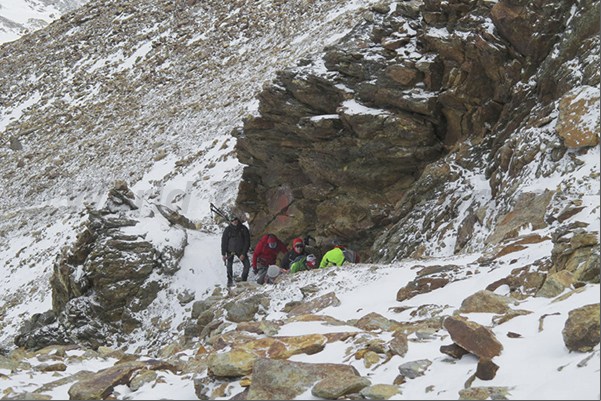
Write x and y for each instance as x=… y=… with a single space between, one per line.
x=298 y=264
x=350 y=256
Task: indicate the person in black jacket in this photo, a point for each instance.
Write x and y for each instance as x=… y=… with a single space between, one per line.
x=298 y=249
x=235 y=241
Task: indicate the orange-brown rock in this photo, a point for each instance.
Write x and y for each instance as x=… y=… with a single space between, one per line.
x=284 y=347
x=575 y=130
x=473 y=337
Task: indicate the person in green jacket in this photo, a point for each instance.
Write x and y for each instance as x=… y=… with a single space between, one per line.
x=303 y=262
x=338 y=256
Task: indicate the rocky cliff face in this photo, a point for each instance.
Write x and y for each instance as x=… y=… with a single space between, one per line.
x=525 y=139
x=369 y=136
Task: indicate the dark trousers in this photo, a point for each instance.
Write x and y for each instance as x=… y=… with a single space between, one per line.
x=230 y=270
x=261 y=273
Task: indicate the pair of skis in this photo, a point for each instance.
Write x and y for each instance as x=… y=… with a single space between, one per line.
x=219 y=212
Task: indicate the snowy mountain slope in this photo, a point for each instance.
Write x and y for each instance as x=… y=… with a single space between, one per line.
x=534 y=363
x=195 y=76
x=192 y=155
x=20 y=17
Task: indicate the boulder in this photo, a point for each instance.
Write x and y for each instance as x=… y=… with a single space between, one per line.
x=375 y=321
x=14 y=143
x=555 y=284
x=334 y=387
x=486 y=302
x=234 y=363
x=420 y=286
x=486 y=369
x=241 y=311
x=101 y=384
x=473 y=337
x=284 y=347
x=380 y=391
x=484 y=393
x=63 y=381
x=398 y=345
x=414 y=369
x=581 y=331
x=453 y=350
x=229 y=339
x=285 y=380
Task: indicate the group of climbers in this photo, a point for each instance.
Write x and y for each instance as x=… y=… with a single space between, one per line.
x=235 y=241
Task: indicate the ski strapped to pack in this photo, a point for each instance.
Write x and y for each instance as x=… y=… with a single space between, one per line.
x=218 y=211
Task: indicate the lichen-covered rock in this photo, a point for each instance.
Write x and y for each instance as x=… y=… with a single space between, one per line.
x=334 y=387
x=241 y=311
x=581 y=331
x=484 y=393
x=398 y=345
x=380 y=391
x=487 y=302
x=285 y=380
x=234 y=363
x=375 y=321
x=555 y=284
x=285 y=346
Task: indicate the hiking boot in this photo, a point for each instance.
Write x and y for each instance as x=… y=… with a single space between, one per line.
x=230 y=283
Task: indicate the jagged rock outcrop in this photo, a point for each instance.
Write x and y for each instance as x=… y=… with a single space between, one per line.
x=345 y=143
x=104 y=279
x=513 y=59
x=334 y=150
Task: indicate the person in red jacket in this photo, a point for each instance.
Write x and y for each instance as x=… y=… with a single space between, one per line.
x=265 y=254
